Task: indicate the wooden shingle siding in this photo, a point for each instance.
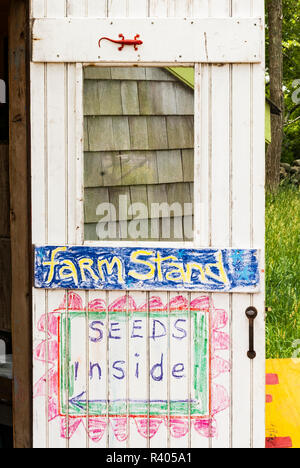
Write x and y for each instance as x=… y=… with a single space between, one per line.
x=120 y=133
x=138 y=167
x=127 y=73
x=188 y=165
x=179 y=193
x=132 y=97
x=180 y=131
x=157 y=133
x=138 y=142
x=138 y=133
x=169 y=165
x=157 y=98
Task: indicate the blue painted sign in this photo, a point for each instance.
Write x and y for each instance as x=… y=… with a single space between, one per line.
x=148 y=269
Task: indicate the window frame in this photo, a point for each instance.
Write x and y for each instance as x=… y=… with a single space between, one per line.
x=195 y=243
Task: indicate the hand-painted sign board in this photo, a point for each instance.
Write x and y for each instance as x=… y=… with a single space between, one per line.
x=169 y=352
x=121 y=268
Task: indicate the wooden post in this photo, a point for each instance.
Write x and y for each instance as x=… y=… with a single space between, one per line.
x=19 y=161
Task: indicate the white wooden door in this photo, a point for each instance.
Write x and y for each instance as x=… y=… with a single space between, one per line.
x=72 y=326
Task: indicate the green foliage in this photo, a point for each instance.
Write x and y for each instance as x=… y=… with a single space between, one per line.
x=291 y=73
x=283 y=271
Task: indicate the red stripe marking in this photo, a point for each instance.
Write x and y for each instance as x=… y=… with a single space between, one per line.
x=269 y=398
x=279 y=442
x=272 y=379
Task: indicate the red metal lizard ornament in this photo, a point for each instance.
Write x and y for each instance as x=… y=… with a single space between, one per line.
x=130 y=42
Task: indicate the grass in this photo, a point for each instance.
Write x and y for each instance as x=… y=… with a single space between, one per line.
x=283 y=272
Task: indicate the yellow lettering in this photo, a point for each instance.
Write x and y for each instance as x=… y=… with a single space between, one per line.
x=85 y=264
x=135 y=258
x=159 y=260
x=222 y=277
x=71 y=269
x=109 y=267
x=53 y=263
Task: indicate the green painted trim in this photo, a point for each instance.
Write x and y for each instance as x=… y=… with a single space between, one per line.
x=200 y=407
x=184 y=74
x=187 y=76
x=268 y=134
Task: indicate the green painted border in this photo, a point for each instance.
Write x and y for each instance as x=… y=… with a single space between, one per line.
x=201 y=370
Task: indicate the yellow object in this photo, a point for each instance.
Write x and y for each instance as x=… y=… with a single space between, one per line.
x=187 y=75
x=283 y=413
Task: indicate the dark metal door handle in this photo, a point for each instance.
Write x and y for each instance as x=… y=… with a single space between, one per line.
x=251 y=314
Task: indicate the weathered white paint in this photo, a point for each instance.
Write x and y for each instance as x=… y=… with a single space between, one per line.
x=213 y=40
x=229 y=114
x=220 y=198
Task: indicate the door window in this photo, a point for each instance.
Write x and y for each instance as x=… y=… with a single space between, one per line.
x=138 y=154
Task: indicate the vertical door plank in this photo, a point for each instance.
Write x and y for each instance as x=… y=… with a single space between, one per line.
x=74 y=126
x=38 y=206
x=117 y=8
x=199 y=436
x=138 y=9
x=78 y=327
x=79 y=169
x=71 y=163
x=203 y=97
x=241 y=394
x=220 y=200
x=202 y=229
x=241 y=236
x=179 y=8
x=119 y=427
x=158 y=8
x=158 y=390
x=76 y=350
x=38 y=156
x=37 y=8
x=97 y=8
x=56 y=8
x=76 y=8
x=138 y=369
x=200 y=8
x=40 y=368
x=172 y=8
x=258 y=232
x=54 y=300
x=179 y=365
x=56 y=185
x=97 y=352
x=57 y=153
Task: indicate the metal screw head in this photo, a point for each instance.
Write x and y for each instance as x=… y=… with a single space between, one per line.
x=251 y=354
x=251 y=313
